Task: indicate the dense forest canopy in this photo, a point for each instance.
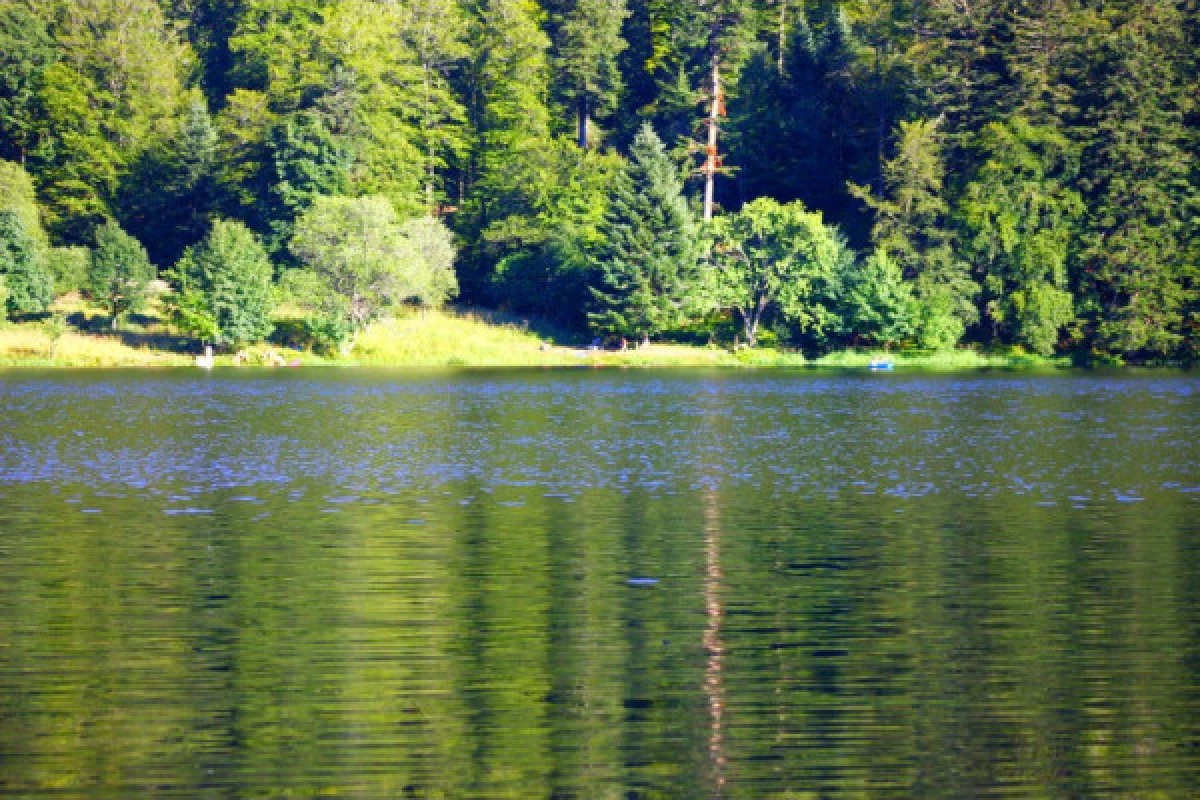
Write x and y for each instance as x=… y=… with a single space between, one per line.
x=1017 y=173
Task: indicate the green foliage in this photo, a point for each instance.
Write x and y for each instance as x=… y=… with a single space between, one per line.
x=17 y=194
x=69 y=267
x=368 y=261
x=224 y=287
x=587 y=45
x=912 y=226
x=651 y=250
x=777 y=258
x=1019 y=216
x=119 y=271
x=879 y=304
x=26 y=50
x=1029 y=168
x=113 y=91
x=307 y=161
x=171 y=190
x=28 y=283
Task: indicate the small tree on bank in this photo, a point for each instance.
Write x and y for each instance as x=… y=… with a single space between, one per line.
x=119 y=272
x=650 y=260
x=776 y=257
x=29 y=283
x=367 y=260
x=879 y=304
x=224 y=287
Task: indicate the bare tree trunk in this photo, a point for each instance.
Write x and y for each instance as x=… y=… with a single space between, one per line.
x=714 y=121
x=585 y=123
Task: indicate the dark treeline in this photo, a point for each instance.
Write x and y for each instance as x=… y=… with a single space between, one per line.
x=899 y=172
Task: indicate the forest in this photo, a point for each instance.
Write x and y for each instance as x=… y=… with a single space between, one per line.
x=1015 y=175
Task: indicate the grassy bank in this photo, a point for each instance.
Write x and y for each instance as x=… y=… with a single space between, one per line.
x=436 y=339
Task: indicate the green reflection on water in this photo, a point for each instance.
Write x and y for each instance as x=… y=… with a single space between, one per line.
x=479 y=640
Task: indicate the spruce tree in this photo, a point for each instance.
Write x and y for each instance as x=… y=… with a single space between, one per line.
x=224 y=286
x=645 y=269
x=22 y=266
x=587 y=48
x=1134 y=254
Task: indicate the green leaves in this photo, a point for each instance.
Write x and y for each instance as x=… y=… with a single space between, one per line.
x=772 y=257
x=119 y=272
x=224 y=287
x=368 y=261
x=29 y=287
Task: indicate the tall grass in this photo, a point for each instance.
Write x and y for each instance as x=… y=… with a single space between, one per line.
x=29 y=345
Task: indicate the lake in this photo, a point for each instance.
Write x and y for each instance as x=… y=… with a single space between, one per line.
x=599 y=584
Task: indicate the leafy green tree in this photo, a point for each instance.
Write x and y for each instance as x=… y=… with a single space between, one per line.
x=114 y=90
x=224 y=286
x=1138 y=183
x=776 y=258
x=430 y=244
x=367 y=260
x=912 y=224
x=435 y=31
x=17 y=194
x=30 y=287
x=648 y=262
x=511 y=177
x=119 y=272
x=551 y=277
x=879 y=303
x=1019 y=215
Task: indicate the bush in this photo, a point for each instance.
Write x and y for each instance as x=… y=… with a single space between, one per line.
x=321 y=334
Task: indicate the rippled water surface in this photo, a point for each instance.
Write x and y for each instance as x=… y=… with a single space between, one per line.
x=599 y=585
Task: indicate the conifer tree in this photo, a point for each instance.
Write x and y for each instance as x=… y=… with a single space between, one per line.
x=1134 y=253
x=29 y=284
x=648 y=265
x=586 y=52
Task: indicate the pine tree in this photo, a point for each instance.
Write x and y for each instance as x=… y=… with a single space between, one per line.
x=587 y=48
x=511 y=173
x=649 y=262
x=1134 y=255
x=224 y=286
x=1020 y=214
x=26 y=50
x=29 y=284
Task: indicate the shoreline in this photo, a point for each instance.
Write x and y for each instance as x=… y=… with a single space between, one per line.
x=468 y=340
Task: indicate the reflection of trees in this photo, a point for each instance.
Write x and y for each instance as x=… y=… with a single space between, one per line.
x=832 y=649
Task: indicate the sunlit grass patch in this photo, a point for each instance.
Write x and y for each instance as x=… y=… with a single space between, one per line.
x=437 y=338
x=30 y=345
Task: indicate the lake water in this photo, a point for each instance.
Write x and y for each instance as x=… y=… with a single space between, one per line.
x=599 y=584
